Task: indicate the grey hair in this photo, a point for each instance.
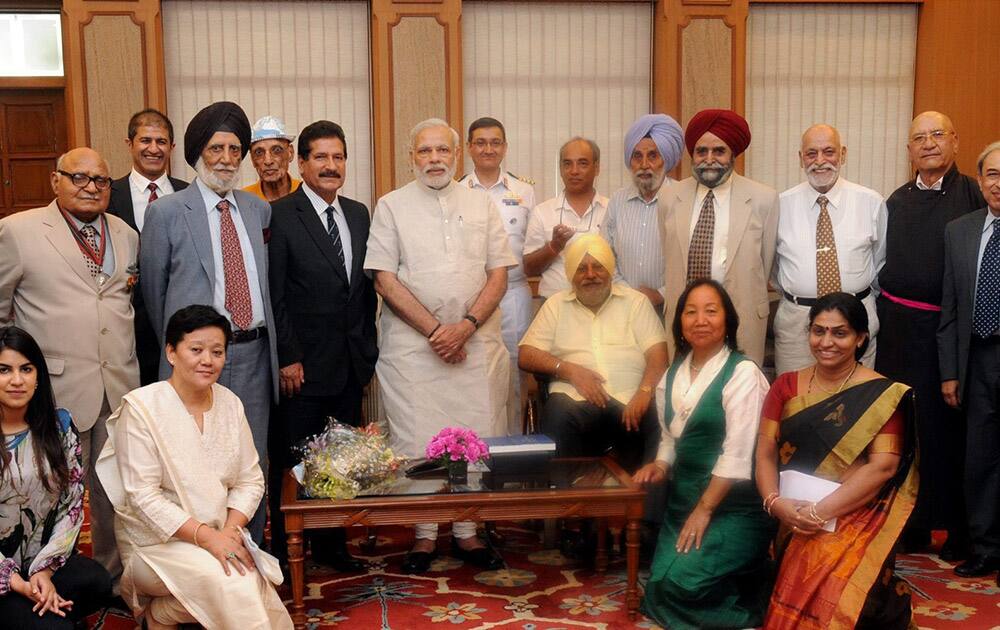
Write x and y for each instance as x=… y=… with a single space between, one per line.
x=594 y=149
x=990 y=148
x=430 y=123
x=60 y=161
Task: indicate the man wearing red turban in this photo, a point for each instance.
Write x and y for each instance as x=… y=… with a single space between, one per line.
x=721 y=225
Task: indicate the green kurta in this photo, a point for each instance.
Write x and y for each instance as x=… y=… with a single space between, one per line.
x=726 y=583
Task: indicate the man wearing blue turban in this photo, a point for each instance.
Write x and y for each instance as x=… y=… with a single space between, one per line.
x=653 y=146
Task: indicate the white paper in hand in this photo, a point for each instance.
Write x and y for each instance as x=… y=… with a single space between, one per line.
x=267 y=564
x=799 y=486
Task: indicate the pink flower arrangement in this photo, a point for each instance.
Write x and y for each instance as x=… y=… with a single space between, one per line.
x=454 y=444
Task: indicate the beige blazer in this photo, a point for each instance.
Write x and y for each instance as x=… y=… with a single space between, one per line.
x=753 y=227
x=85 y=331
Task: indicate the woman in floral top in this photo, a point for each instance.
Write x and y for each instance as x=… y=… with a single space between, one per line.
x=43 y=584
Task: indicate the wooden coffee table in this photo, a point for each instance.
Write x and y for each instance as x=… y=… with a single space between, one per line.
x=578 y=488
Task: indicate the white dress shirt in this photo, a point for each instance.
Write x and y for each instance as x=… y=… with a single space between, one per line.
x=249 y=263
x=139 y=186
x=935 y=186
x=723 y=193
x=514 y=199
x=742 y=398
x=339 y=218
x=544 y=218
x=859 y=219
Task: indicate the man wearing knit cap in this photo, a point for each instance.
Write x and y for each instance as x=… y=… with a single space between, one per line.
x=271 y=153
x=720 y=225
x=605 y=350
x=653 y=146
x=205 y=245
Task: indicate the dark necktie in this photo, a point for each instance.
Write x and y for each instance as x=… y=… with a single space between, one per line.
x=234 y=269
x=700 y=252
x=89 y=233
x=986 y=317
x=334 y=232
x=827 y=267
x=152 y=192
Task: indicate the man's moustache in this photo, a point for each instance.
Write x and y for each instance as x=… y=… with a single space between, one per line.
x=330 y=174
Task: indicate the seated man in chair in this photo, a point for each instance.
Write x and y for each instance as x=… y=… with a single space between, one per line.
x=605 y=350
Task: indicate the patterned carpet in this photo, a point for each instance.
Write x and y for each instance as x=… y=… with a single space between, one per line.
x=542 y=590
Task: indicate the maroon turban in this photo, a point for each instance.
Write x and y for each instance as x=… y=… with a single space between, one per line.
x=727 y=124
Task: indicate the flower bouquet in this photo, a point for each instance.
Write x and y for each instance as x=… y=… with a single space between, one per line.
x=344 y=461
x=455 y=449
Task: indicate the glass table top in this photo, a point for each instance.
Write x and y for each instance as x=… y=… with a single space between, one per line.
x=561 y=474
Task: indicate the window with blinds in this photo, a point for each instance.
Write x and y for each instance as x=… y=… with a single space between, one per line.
x=551 y=71
x=851 y=66
x=300 y=61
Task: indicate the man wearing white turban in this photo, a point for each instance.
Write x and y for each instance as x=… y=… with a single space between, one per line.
x=605 y=350
x=653 y=146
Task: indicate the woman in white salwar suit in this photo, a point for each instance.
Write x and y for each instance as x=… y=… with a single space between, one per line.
x=181 y=470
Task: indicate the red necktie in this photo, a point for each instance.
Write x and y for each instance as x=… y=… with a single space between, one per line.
x=237 y=288
x=152 y=192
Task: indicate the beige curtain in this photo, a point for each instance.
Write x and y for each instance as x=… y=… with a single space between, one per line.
x=851 y=66
x=300 y=61
x=550 y=71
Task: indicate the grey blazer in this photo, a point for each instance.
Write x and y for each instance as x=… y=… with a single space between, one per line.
x=961 y=253
x=177 y=266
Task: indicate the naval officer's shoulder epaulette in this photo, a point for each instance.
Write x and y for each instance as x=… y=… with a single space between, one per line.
x=526 y=180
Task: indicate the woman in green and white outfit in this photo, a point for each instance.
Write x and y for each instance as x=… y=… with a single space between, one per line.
x=710 y=568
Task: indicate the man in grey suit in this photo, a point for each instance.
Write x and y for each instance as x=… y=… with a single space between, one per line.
x=205 y=245
x=969 y=354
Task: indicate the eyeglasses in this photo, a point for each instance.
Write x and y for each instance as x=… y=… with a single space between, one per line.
x=276 y=151
x=481 y=144
x=936 y=136
x=82 y=180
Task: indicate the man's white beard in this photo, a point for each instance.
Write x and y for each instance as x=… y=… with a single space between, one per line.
x=437 y=182
x=649 y=186
x=215 y=182
x=824 y=178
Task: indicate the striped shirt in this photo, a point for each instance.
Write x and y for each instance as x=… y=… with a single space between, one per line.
x=632 y=230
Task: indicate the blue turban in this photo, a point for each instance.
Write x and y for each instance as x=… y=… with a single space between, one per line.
x=665 y=133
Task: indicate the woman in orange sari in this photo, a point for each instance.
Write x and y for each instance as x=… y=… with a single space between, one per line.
x=842 y=422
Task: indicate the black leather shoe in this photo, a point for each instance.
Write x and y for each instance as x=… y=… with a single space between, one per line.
x=342 y=561
x=978 y=566
x=417 y=562
x=482 y=557
x=955 y=549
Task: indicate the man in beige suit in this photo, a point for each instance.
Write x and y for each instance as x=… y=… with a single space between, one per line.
x=720 y=225
x=66 y=272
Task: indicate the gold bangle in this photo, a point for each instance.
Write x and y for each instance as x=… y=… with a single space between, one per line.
x=555 y=372
x=200 y=525
x=815 y=516
x=769 y=501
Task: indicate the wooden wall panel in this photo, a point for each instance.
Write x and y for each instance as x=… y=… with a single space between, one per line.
x=420 y=83
x=956 y=61
x=115 y=84
x=707 y=69
x=388 y=86
x=98 y=62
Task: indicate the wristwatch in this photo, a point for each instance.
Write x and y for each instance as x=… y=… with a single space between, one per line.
x=471 y=318
x=646 y=388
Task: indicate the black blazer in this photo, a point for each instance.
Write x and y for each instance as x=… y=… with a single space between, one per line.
x=322 y=321
x=961 y=255
x=121 y=198
x=147 y=346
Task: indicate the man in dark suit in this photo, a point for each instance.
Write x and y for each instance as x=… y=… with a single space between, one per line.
x=150 y=141
x=324 y=310
x=969 y=353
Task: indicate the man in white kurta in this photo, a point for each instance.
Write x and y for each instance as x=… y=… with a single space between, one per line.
x=439 y=255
